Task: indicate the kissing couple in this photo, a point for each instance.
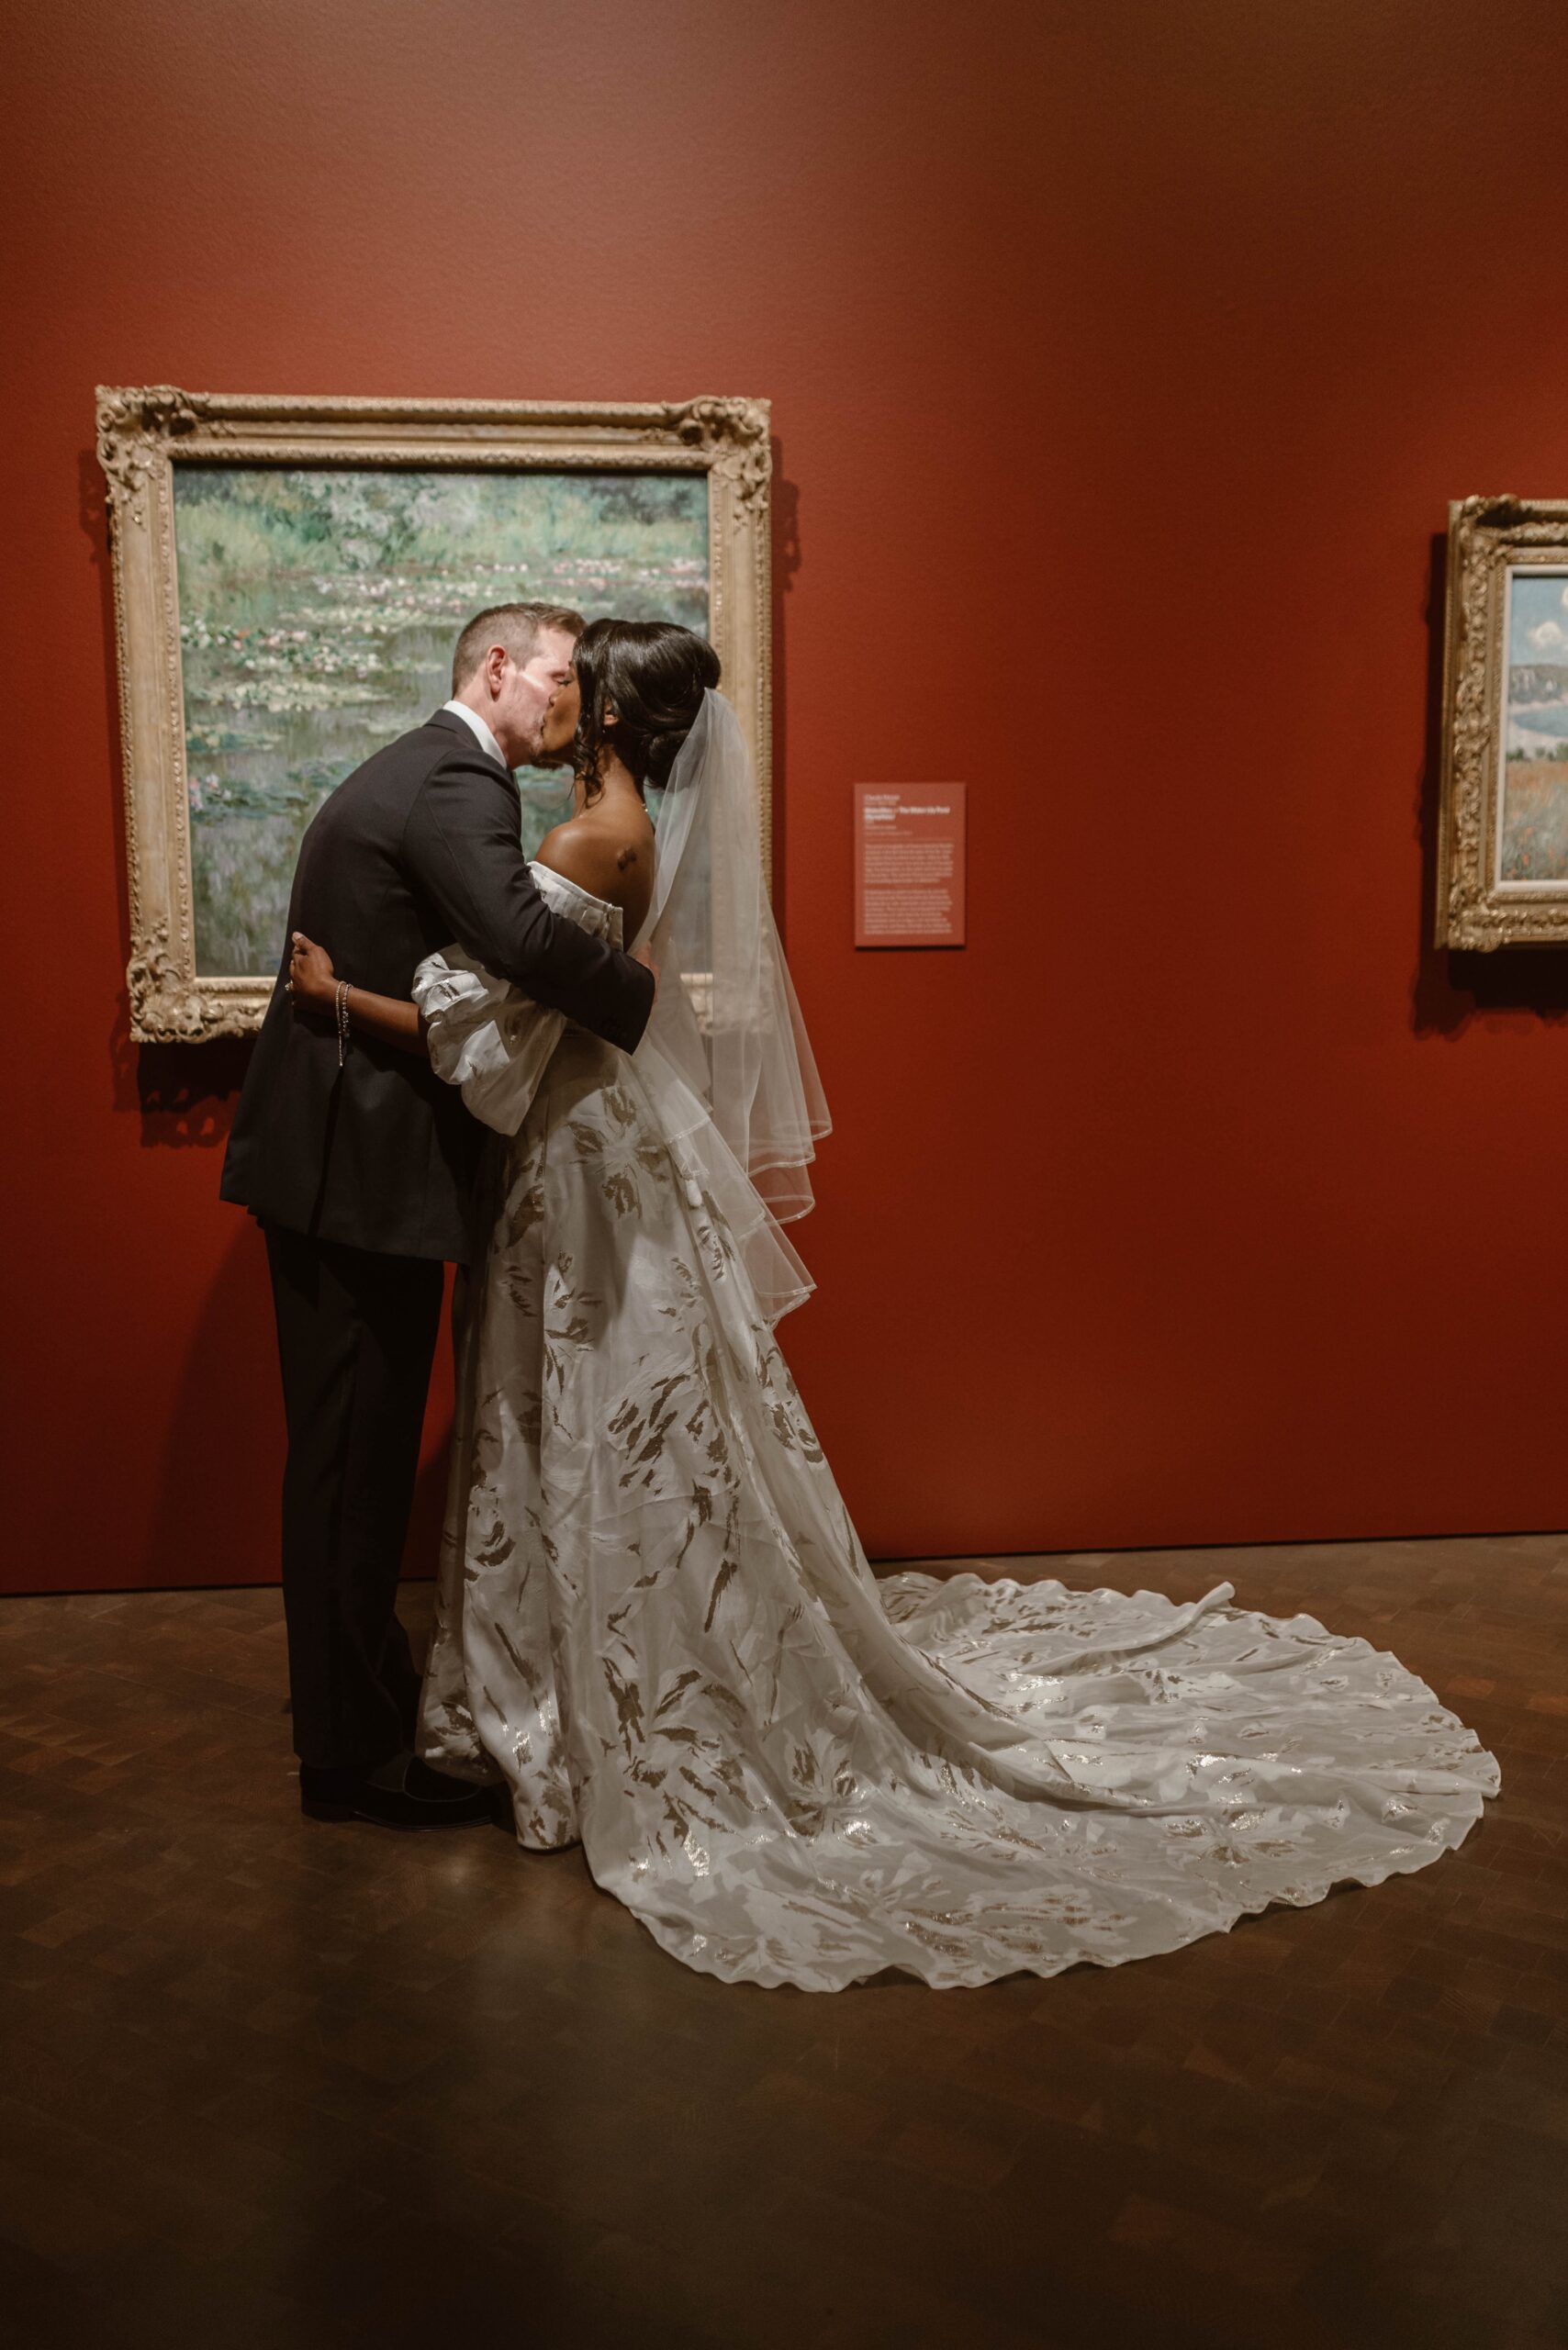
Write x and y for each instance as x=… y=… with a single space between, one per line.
x=585 y=1079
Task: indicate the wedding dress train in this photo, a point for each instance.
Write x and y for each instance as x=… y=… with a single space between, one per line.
x=657 y=1625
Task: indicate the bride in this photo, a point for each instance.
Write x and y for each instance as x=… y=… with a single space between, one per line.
x=656 y=1624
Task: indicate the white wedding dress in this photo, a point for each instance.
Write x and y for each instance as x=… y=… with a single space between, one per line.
x=655 y=1623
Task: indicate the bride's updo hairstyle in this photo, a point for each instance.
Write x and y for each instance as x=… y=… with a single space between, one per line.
x=652 y=676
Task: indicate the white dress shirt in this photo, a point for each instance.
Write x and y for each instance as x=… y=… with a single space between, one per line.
x=482 y=733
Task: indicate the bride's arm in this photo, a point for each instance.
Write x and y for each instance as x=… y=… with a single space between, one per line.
x=314 y=985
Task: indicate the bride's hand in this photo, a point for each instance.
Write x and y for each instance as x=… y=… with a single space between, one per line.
x=642 y=955
x=311 y=979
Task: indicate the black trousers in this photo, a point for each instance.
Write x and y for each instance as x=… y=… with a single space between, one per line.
x=357 y=1336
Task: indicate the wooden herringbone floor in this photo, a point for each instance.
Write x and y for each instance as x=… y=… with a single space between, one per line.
x=269 y=2084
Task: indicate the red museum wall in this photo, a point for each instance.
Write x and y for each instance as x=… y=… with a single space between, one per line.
x=1124 y=360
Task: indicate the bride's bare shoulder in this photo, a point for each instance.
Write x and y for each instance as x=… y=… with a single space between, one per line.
x=608 y=853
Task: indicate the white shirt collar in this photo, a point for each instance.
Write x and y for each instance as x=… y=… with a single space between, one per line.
x=482 y=733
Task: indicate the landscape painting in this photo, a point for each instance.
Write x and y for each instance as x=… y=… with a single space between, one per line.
x=319 y=607
x=1533 y=801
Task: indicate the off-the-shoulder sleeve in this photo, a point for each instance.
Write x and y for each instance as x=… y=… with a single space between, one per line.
x=484 y=1036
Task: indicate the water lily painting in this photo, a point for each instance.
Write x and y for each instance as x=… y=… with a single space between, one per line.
x=291 y=576
x=319 y=607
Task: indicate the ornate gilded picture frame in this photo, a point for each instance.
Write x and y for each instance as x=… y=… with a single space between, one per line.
x=289 y=578
x=1503 y=843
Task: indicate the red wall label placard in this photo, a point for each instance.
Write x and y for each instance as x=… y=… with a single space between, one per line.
x=909 y=865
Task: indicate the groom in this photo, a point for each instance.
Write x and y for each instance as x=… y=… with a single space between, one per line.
x=358 y=1163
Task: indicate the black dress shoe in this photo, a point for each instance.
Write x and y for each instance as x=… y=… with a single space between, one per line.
x=403 y=1793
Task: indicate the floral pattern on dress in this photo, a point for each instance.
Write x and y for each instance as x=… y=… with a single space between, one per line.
x=657 y=1626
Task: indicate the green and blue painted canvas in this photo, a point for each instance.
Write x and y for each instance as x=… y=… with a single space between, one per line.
x=1534 y=763
x=318 y=614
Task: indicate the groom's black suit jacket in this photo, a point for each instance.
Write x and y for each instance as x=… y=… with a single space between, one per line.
x=418 y=848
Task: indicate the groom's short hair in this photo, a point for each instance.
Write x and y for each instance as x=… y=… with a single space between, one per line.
x=517 y=626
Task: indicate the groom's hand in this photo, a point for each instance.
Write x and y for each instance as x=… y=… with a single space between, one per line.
x=642 y=955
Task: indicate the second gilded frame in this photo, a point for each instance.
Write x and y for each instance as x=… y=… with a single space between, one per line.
x=1503 y=844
